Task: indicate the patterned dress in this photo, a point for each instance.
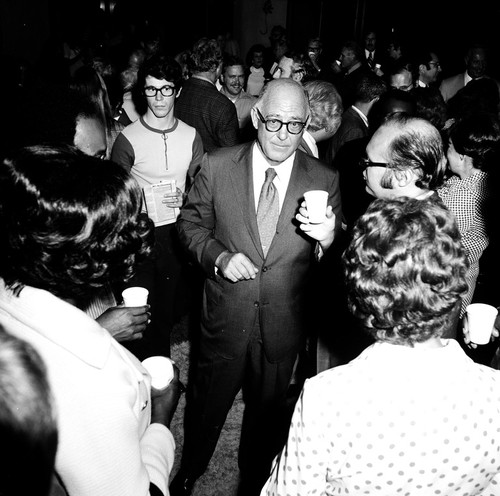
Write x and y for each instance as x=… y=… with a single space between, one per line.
x=466 y=198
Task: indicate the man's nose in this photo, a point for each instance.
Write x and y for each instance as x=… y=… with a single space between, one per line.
x=283 y=133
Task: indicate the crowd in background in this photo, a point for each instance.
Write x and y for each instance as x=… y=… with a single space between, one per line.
x=163 y=117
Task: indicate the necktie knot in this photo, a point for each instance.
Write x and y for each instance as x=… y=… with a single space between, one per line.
x=270 y=175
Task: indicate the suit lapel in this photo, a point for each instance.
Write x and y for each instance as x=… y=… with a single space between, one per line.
x=242 y=180
x=300 y=181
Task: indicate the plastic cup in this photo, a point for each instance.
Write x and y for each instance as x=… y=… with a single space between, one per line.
x=316 y=203
x=481 y=318
x=135 y=296
x=160 y=369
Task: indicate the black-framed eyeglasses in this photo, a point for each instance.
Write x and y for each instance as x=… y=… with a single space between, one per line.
x=435 y=64
x=164 y=90
x=274 y=125
x=366 y=162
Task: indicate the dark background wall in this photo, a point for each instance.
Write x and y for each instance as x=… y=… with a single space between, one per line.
x=29 y=28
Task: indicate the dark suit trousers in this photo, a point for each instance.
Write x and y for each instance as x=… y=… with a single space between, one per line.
x=267 y=414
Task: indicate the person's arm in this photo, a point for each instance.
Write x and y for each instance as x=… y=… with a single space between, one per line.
x=228 y=129
x=125 y=323
x=196 y=221
x=122 y=152
x=194 y=166
x=302 y=466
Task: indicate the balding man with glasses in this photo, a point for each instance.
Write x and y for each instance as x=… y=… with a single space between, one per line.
x=246 y=224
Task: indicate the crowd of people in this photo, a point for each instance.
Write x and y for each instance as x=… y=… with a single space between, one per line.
x=185 y=173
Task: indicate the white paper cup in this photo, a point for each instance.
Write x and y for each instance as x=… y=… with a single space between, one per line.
x=135 y=296
x=316 y=203
x=481 y=318
x=160 y=369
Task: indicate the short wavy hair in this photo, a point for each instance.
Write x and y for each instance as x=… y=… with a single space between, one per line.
x=71 y=223
x=405 y=269
x=326 y=105
x=205 y=56
x=417 y=146
x=478 y=137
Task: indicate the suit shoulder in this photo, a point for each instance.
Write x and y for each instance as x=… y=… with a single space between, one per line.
x=230 y=152
x=315 y=164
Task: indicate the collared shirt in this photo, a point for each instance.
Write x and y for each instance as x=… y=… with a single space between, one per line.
x=363 y=116
x=243 y=103
x=421 y=84
x=259 y=167
x=311 y=143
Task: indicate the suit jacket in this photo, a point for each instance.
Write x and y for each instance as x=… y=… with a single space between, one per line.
x=450 y=86
x=352 y=127
x=220 y=215
x=212 y=114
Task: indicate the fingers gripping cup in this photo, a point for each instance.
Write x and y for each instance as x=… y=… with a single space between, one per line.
x=481 y=318
x=160 y=369
x=316 y=203
x=135 y=296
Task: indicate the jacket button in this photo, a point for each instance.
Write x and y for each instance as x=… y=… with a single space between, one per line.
x=264 y=269
x=256 y=304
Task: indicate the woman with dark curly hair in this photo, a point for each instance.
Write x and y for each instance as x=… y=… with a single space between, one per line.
x=473 y=146
x=412 y=414
x=70 y=225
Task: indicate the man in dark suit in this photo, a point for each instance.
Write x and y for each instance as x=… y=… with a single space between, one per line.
x=253 y=316
x=201 y=105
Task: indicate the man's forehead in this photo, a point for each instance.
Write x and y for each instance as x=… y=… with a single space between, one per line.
x=235 y=69
x=285 y=101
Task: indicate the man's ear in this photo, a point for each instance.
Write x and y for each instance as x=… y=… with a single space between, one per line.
x=255 y=117
x=405 y=177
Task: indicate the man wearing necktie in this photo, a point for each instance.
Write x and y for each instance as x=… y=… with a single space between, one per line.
x=246 y=223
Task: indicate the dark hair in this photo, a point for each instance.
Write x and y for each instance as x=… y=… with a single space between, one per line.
x=28 y=423
x=257 y=48
x=70 y=223
x=405 y=269
x=478 y=137
x=430 y=105
x=230 y=60
x=391 y=102
x=355 y=48
x=160 y=66
x=53 y=113
x=205 y=56
x=368 y=86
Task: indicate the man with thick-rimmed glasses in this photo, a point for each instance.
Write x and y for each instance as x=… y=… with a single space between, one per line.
x=247 y=226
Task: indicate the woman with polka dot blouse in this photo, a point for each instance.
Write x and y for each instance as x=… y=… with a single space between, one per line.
x=412 y=415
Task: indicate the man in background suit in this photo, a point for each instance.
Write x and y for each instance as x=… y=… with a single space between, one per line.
x=476 y=63
x=201 y=105
x=253 y=316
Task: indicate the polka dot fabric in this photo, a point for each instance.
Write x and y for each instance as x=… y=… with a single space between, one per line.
x=395 y=421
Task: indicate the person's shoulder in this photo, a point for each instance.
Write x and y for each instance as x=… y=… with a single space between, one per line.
x=235 y=152
x=314 y=165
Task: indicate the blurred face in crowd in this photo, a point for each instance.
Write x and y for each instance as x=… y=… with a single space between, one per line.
x=370 y=41
x=430 y=73
x=257 y=59
x=233 y=79
x=402 y=81
x=476 y=63
x=347 y=58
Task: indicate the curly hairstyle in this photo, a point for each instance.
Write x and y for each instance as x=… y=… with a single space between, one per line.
x=405 y=269
x=326 y=105
x=205 y=56
x=478 y=137
x=418 y=146
x=70 y=223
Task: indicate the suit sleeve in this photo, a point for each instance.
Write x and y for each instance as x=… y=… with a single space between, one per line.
x=335 y=202
x=196 y=221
